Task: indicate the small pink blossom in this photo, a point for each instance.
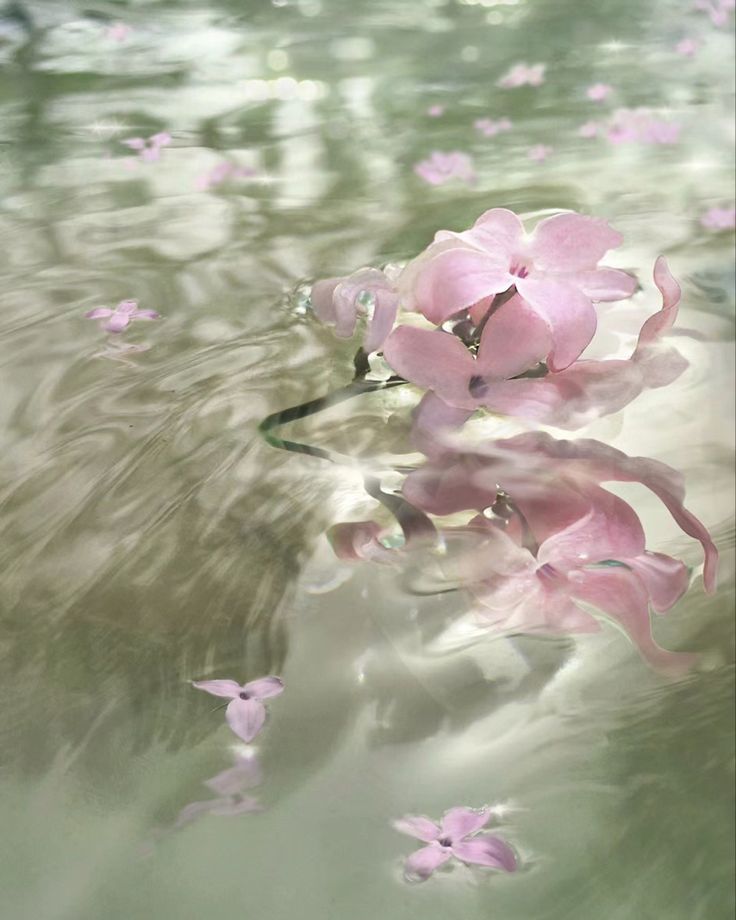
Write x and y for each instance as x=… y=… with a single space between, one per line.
x=717 y=10
x=435 y=111
x=118 y=319
x=221 y=173
x=539 y=153
x=641 y=126
x=148 y=149
x=719 y=218
x=687 y=47
x=589 y=129
x=338 y=302
x=523 y=75
x=599 y=92
x=245 y=713
x=440 y=168
x=118 y=31
x=454 y=837
x=489 y=128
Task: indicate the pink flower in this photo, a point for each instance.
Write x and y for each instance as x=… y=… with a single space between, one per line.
x=148 y=149
x=489 y=128
x=523 y=75
x=435 y=111
x=221 y=173
x=589 y=129
x=454 y=837
x=719 y=218
x=440 y=168
x=245 y=712
x=641 y=126
x=687 y=47
x=119 y=318
x=553 y=275
x=118 y=31
x=567 y=394
x=539 y=152
x=598 y=92
x=717 y=10
x=338 y=302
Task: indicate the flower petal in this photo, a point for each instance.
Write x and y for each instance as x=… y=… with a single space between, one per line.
x=146 y=314
x=417 y=826
x=572 y=242
x=605 y=284
x=135 y=143
x=496 y=229
x=382 y=322
x=226 y=688
x=245 y=717
x=432 y=360
x=99 y=313
x=117 y=322
x=571 y=317
x=460 y=822
x=420 y=865
x=486 y=850
x=456 y=278
x=666 y=579
x=515 y=339
x=322 y=301
x=264 y=687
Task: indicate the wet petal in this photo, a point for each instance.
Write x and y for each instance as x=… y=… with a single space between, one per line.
x=666 y=579
x=382 y=322
x=460 y=822
x=417 y=826
x=117 y=322
x=605 y=284
x=420 y=865
x=99 y=313
x=432 y=360
x=245 y=717
x=226 y=688
x=264 y=687
x=513 y=340
x=497 y=229
x=572 y=242
x=486 y=850
x=571 y=317
x=146 y=314
x=322 y=300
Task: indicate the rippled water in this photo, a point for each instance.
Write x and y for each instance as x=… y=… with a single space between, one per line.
x=149 y=535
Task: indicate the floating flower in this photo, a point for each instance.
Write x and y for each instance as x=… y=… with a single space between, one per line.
x=687 y=47
x=554 y=271
x=718 y=10
x=118 y=31
x=641 y=126
x=221 y=173
x=489 y=128
x=523 y=75
x=435 y=111
x=599 y=92
x=339 y=301
x=440 y=168
x=514 y=338
x=454 y=837
x=119 y=318
x=719 y=218
x=245 y=712
x=539 y=152
x=148 y=149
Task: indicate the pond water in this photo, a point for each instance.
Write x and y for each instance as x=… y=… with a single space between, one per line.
x=150 y=535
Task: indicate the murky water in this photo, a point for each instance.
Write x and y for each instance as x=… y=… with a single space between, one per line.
x=149 y=535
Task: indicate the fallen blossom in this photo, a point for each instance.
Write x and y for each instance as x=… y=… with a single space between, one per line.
x=118 y=31
x=221 y=173
x=434 y=111
x=489 y=128
x=539 y=152
x=440 y=168
x=687 y=47
x=148 y=149
x=599 y=92
x=245 y=713
x=719 y=218
x=523 y=75
x=455 y=837
x=118 y=319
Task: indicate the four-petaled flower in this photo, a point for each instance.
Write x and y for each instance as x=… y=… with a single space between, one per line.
x=523 y=75
x=598 y=92
x=119 y=318
x=148 y=149
x=440 y=167
x=245 y=712
x=719 y=218
x=454 y=837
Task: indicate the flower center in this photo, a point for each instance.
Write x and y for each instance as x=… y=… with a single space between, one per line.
x=519 y=269
x=445 y=842
x=547 y=572
x=244 y=696
x=477 y=386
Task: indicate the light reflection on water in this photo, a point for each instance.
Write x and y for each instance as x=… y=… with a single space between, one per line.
x=149 y=536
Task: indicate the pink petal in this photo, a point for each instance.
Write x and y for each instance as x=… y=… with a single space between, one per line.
x=605 y=284
x=432 y=360
x=513 y=340
x=660 y=323
x=417 y=826
x=117 y=322
x=496 y=229
x=666 y=579
x=572 y=242
x=99 y=313
x=460 y=822
x=620 y=594
x=226 y=688
x=135 y=143
x=127 y=306
x=162 y=139
x=245 y=717
x=382 y=322
x=457 y=278
x=146 y=314
x=420 y=865
x=322 y=300
x=486 y=850
x=450 y=487
x=569 y=314
x=264 y=687
x=150 y=154
x=432 y=421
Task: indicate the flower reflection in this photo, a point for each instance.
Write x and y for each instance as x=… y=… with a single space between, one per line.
x=230 y=785
x=456 y=836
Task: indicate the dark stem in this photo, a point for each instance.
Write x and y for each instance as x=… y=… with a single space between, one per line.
x=498 y=301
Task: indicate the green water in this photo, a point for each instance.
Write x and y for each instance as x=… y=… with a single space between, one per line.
x=148 y=535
